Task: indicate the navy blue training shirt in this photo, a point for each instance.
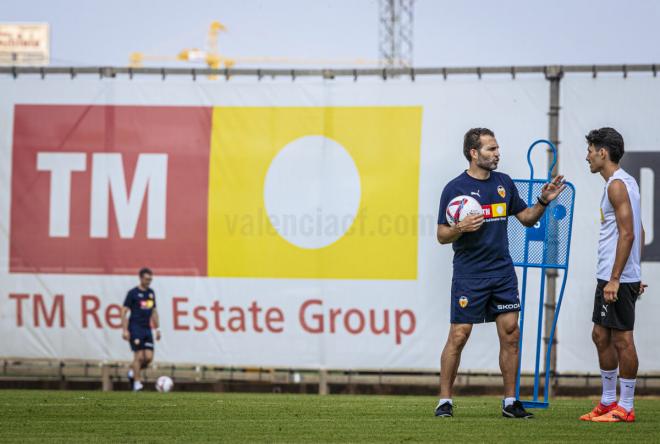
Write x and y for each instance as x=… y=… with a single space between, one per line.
x=485 y=252
x=141 y=303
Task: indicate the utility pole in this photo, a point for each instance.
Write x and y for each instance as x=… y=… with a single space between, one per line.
x=396 y=33
x=554 y=76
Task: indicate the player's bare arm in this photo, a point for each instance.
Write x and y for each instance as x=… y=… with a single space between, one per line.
x=124 y=323
x=448 y=234
x=618 y=196
x=550 y=191
x=155 y=322
x=642 y=241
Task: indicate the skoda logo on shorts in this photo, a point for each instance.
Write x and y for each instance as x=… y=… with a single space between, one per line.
x=463 y=301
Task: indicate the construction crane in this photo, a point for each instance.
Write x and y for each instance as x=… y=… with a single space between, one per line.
x=212 y=58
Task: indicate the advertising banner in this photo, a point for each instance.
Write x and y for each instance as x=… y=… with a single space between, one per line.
x=287 y=224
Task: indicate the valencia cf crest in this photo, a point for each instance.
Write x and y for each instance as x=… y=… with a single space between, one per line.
x=501 y=191
x=463 y=301
x=136 y=341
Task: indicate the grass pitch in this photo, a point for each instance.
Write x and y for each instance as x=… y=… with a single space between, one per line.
x=65 y=416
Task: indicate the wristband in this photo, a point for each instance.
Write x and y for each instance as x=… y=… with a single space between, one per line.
x=544 y=204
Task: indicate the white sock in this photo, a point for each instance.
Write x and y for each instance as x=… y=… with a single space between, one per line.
x=509 y=401
x=137 y=385
x=627 y=387
x=608 y=377
x=443 y=400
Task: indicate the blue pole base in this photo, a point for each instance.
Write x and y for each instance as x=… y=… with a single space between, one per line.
x=535 y=404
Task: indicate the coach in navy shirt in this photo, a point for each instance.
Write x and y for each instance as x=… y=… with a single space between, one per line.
x=484 y=284
x=141 y=303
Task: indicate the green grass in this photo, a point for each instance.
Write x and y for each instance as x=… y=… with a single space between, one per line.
x=50 y=416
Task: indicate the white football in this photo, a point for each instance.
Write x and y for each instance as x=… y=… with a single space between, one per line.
x=164 y=384
x=461 y=207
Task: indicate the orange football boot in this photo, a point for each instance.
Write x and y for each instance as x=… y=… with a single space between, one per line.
x=599 y=410
x=619 y=414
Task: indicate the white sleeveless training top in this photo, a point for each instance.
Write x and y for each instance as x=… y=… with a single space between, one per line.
x=609 y=234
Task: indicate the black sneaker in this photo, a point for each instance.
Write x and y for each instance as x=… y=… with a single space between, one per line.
x=445 y=410
x=516 y=410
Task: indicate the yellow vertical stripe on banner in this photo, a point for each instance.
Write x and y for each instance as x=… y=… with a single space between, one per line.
x=384 y=143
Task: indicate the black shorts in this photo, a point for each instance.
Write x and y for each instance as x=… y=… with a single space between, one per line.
x=619 y=315
x=141 y=340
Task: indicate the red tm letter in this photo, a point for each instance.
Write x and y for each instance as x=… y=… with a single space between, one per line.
x=40 y=306
x=19 y=307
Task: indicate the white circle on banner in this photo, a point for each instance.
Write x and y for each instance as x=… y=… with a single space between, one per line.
x=312 y=192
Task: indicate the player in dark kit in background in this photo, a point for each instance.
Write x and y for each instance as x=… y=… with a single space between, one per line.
x=141 y=303
x=484 y=284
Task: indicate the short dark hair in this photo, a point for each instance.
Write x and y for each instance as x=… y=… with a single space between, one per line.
x=472 y=139
x=144 y=271
x=607 y=138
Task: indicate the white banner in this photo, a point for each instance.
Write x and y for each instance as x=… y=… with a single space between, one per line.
x=287 y=224
x=24 y=44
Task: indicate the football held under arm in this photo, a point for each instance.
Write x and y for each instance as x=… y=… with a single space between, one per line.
x=448 y=234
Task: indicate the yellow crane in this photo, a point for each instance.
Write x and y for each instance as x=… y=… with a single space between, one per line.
x=212 y=58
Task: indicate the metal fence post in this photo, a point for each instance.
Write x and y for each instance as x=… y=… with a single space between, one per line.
x=554 y=75
x=106 y=380
x=323 y=382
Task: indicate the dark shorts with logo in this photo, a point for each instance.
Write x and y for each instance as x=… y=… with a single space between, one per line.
x=141 y=339
x=477 y=300
x=619 y=315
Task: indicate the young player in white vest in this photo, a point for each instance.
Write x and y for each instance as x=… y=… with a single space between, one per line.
x=618 y=276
